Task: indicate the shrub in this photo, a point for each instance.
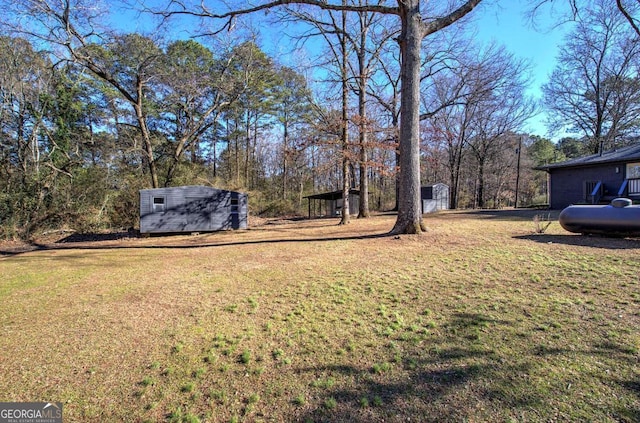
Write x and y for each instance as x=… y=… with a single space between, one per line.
x=542 y=223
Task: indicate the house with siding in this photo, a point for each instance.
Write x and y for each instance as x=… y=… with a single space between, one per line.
x=191 y=209
x=595 y=179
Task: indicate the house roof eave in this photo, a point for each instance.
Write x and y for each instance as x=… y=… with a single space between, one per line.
x=623 y=155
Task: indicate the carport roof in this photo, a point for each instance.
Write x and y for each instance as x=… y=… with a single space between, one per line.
x=334 y=195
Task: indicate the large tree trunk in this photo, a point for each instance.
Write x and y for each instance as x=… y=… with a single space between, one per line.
x=409 y=211
x=247 y=141
x=455 y=161
x=285 y=147
x=346 y=188
x=346 y=185
x=175 y=160
x=453 y=190
x=146 y=143
x=363 y=208
x=480 y=191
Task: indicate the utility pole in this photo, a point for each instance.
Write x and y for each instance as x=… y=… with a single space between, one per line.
x=518 y=150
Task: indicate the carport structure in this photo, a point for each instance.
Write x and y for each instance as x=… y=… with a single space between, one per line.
x=329 y=204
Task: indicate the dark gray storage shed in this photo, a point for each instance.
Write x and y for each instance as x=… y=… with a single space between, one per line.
x=434 y=197
x=191 y=209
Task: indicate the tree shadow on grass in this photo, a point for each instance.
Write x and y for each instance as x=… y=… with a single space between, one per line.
x=103 y=244
x=431 y=383
x=439 y=390
x=405 y=400
x=97 y=237
x=592 y=241
x=631 y=415
x=455 y=377
x=508 y=214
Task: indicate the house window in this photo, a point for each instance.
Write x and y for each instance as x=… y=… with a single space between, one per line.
x=234 y=205
x=158 y=204
x=633 y=170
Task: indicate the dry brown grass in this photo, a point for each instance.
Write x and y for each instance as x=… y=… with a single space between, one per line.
x=477 y=320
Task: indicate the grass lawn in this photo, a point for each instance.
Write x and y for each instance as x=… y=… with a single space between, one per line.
x=478 y=320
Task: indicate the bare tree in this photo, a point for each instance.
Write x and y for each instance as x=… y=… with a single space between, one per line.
x=25 y=80
x=594 y=89
x=371 y=37
x=475 y=103
x=335 y=25
x=501 y=108
x=451 y=128
x=415 y=25
x=385 y=89
x=26 y=83
x=441 y=57
x=344 y=136
x=628 y=8
x=365 y=36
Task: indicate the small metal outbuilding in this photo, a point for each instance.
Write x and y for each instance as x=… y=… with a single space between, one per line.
x=330 y=203
x=191 y=209
x=434 y=197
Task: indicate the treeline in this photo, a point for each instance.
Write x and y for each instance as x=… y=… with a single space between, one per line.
x=77 y=142
x=76 y=146
x=89 y=116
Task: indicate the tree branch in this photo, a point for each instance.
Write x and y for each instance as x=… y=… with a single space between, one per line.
x=325 y=5
x=628 y=16
x=443 y=22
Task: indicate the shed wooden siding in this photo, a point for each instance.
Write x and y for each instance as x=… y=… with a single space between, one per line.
x=568 y=185
x=191 y=209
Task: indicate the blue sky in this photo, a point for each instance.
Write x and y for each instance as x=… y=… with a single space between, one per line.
x=505 y=22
